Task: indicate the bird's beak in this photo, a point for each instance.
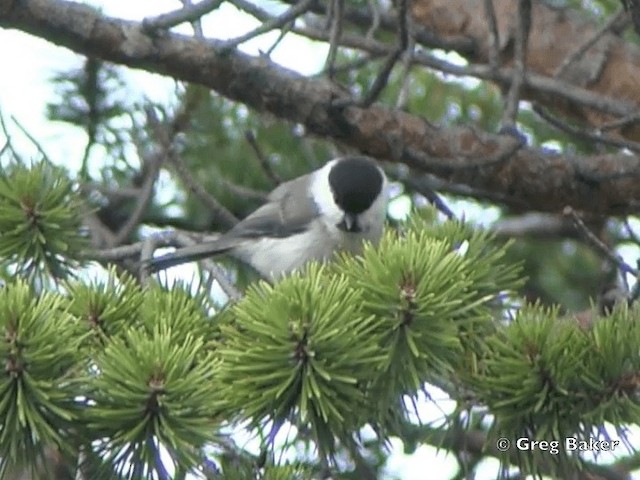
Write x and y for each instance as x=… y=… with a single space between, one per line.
x=349 y=223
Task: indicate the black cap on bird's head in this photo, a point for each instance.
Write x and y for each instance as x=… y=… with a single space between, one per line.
x=355 y=182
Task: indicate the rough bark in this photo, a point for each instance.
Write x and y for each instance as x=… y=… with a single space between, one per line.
x=529 y=179
x=610 y=67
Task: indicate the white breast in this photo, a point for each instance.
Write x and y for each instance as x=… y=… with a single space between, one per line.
x=272 y=257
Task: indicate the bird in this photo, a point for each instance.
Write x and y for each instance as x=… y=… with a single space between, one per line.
x=334 y=208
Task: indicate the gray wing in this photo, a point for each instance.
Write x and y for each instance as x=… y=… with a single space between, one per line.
x=289 y=210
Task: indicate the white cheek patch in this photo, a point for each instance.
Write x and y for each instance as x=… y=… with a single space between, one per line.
x=323 y=197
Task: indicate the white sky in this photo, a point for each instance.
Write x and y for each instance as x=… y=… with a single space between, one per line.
x=24 y=92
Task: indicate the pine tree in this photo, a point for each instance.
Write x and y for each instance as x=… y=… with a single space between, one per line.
x=117 y=374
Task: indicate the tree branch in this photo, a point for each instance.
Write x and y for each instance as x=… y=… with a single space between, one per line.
x=605 y=184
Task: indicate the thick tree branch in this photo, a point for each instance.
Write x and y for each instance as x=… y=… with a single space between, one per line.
x=605 y=64
x=538 y=179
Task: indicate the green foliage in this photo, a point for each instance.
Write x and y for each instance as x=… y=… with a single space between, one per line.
x=552 y=275
x=186 y=313
x=277 y=472
x=218 y=154
x=417 y=287
x=87 y=98
x=147 y=377
x=548 y=377
x=39 y=351
x=302 y=346
x=40 y=221
x=337 y=347
x=152 y=391
x=107 y=308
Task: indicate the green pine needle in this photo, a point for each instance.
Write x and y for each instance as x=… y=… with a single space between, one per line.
x=40 y=220
x=151 y=392
x=39 y=348
x=106 y=308
x=302 y=347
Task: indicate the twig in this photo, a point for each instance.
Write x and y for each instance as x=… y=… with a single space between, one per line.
x=101 y=235
x=244 y=192
x=275 y=23
x=535 y=225
x=382 y=78
x=632 y=235
x=494 y=37
x=286 y=28
x=32 y=139
x=585 y=134
x=152 y=163
x=518 y=80
x=182 y=15
x=622 y=122
x=466 y=191
x=115 y=254
x=6 y=147
x=220 y=212
x=146 y=253
x=504 y=75
x=403 y=24
x=590 y=237
x=352 y=65
x=110 y=193
x=337 y=8
x=512 y=145
x=146 y=192
x=403 y=93
x=431 y=195
x=216 y=272
x=388 y=22
x=196 y=24
x=8 y=144
x=375 y=18
x=167 y=238
x=262 y=159
x=581 y=50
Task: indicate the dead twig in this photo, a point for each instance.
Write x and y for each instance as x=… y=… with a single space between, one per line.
x=625 y=121
x=382 y=78
x=598 y=244
x=220 y=212
x=335 y=17
x=214 y=270
x=188 y=13
x=522 y=35
x=582 y=49
x=262 y=159
x=153 y=163
x=273 y=24
x=431 y=195
x=494 y=37
x=591 y=136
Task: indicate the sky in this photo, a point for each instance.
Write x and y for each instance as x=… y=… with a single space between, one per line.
x=24 y=92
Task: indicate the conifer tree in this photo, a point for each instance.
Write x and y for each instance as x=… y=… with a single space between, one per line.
x=112 y=373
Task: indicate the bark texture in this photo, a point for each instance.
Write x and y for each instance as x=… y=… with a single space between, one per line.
x=527 y=178
x=609 y=67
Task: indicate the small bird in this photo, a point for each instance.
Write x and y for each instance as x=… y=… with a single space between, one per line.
x=308 y=218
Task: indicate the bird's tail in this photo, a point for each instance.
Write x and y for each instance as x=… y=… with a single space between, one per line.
x=187 y=254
